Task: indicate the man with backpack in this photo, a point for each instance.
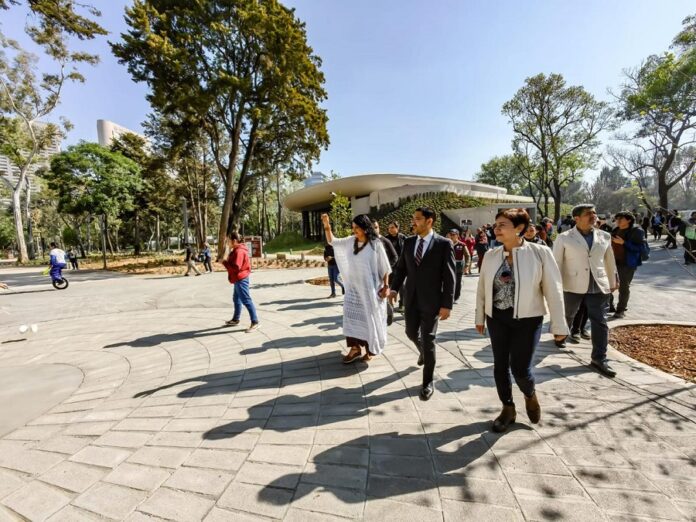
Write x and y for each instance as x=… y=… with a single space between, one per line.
x=630 y=249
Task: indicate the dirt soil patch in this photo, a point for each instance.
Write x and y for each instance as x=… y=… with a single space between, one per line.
x=319 y=281
x=670 y=348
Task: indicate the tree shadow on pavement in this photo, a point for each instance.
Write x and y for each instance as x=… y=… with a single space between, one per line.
x=157 y=339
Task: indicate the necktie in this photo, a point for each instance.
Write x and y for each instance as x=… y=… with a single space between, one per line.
x=419 y=251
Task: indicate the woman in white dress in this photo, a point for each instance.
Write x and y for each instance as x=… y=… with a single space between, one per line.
x=365 y=269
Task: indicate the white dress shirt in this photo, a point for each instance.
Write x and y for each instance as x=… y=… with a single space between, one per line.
x=427 y=239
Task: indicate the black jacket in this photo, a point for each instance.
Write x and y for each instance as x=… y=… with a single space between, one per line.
x=430 y=285
x=329 y=252
x=392 y=255
x=397 y=242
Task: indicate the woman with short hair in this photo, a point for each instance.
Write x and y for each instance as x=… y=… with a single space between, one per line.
x=515 y=279
x=364 y=266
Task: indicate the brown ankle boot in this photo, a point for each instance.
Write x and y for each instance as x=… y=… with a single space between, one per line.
x=533 y=408
x=506 y=417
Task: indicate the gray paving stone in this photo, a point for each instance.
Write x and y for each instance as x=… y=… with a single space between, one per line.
x=260 y=500
x=161 y=457
x=388 y=510
x=401 y=466
x=64 y=444
x=73 y=476
x=36 y=500
x=10 y=481
x=302 y=515
x=280 y=454
x=526 y=463
x=275 y=475
x=101 y=456
x=217 y=459
x=204 y=481
x=336 y=501
x=222 y=515
x=135 y=476
x=73 y=514
x=544 y=508
x=613 y=478
x=470 y=489
x=643 y=503
x=349 y=455
x=176 y=505
x=553 y=486
x=455 y=511
x=110 y=500
x=29 y=461
x=142 y=424
x=405 y=490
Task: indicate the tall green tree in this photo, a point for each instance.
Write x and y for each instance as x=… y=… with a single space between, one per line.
x=502 y=171
x=90 y=179
x=27 y=97
x=559 y=126
x=233 y=68
x=660 y=97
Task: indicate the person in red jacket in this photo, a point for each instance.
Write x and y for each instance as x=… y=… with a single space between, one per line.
x=238 y=268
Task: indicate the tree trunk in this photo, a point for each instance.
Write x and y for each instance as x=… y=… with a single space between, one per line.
x=22 y=256
x=279 y=226
x=136 y=250
x=157 y=233
x=104 y=225
x=27 y=213
x=557 y=197
x=663 y=190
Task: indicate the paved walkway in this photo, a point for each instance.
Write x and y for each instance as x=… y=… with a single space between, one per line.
x=158 y=412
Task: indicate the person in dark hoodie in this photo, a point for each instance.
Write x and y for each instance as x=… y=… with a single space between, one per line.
x=238 y=267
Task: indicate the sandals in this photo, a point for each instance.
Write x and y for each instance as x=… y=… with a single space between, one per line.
x=353 y=355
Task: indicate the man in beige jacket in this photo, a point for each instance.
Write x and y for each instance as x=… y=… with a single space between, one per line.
x=586 y=260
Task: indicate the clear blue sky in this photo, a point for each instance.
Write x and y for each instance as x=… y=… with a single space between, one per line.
x=417 y=87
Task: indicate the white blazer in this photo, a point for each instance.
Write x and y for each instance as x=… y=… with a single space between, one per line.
x=536 y=278
x=576 y=261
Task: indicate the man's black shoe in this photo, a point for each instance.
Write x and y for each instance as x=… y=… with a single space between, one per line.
x=574 y=338
x=560 y=344
x=427 y=392
x=585 y=334
x=421 y=361
x=619 y=315
x=603 y=367
x=332 y=295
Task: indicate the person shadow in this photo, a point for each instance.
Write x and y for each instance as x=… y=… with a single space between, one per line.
x=154 y=340
x=395 y=465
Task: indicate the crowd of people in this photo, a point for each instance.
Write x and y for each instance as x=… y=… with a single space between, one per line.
x=569 y=270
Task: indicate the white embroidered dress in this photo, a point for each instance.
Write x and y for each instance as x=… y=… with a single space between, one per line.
x=364 y=312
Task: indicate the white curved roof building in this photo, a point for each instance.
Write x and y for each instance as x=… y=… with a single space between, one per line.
x=368 y=191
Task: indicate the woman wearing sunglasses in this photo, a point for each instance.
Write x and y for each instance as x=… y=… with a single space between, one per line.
x=515 y=279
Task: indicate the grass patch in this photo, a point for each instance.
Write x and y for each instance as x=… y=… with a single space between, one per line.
x=292 y=241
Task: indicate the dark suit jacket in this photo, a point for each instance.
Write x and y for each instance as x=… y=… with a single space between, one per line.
x=431 y=284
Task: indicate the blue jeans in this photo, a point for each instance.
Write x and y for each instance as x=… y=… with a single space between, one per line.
x=514 y=342
x=56 y=271
x=241 y=297
x=333 y=278
x=597 y=307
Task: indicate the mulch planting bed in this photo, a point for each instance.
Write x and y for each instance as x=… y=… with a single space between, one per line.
x=670 y=348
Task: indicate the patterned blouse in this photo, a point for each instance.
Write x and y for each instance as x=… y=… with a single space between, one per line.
x=504 y=287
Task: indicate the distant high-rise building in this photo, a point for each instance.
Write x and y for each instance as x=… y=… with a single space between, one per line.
x=107 y=131
x=315 y=179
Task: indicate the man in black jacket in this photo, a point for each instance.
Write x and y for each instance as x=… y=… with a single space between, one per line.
x=397 y=240
x=427 y=264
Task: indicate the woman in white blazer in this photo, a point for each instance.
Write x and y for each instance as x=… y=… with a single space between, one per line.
x=515 y=279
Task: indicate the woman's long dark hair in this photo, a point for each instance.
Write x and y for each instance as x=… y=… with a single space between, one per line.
x=364 y=222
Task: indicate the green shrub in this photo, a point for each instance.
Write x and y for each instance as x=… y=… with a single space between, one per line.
x=402 y=212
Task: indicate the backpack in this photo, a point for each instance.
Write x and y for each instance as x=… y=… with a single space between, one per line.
x=644 y=250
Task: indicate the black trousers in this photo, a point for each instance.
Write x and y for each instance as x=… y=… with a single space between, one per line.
x=458 y=286
x=514 y=342
x=671 y=239
x=625 y=277
x=580 y=321
x=421 y=329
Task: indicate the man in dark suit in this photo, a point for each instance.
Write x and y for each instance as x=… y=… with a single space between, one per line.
x=427 y=265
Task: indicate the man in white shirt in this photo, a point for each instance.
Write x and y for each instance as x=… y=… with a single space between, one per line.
x=57 y=261
x=586 y=260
